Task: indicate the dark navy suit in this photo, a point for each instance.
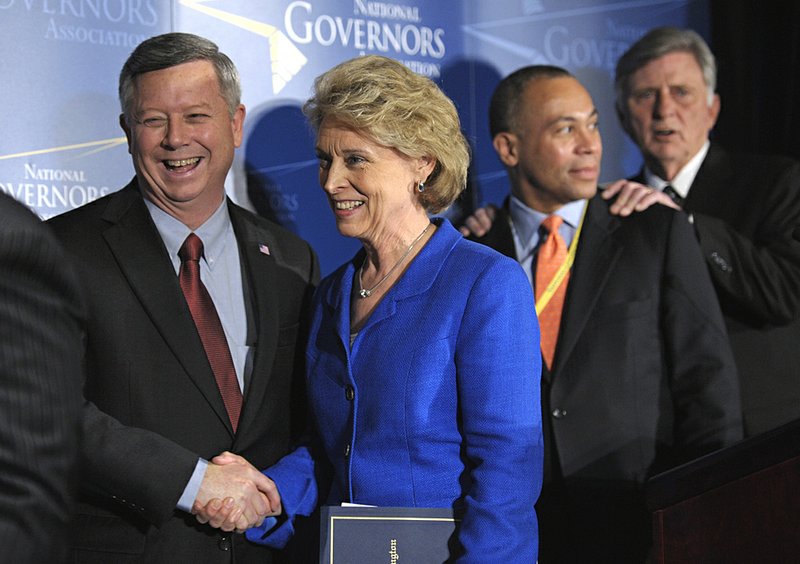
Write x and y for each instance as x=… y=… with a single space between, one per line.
x=643 y=378
x=746 y=212
x=154 y=403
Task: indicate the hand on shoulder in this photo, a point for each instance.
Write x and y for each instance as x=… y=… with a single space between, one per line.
x=632 y=196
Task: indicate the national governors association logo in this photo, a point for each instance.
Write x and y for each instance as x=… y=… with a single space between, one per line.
x=96 y=23
x=50 y=190
x=391 y=29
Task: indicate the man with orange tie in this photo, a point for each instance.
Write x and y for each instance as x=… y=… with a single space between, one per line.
x=638 y=374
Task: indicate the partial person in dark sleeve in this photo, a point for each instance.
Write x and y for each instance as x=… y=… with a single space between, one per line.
x=40 y=388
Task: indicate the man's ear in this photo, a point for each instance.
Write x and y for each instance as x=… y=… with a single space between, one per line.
x=713 y=110
x=506 y=144
x=124 y=125
x=237 y=125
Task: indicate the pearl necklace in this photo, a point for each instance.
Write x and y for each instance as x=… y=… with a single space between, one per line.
x=365 y=292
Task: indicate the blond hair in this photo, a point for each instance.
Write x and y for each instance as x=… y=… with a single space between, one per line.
x=397 y=108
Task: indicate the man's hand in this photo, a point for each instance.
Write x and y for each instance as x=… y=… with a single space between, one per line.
x=634 y=197
x=479 y=223
x=234 y=495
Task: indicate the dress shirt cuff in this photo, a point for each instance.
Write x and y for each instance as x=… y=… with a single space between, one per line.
x=193 y=487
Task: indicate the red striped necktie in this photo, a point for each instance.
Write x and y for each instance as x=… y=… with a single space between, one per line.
x=209 y=327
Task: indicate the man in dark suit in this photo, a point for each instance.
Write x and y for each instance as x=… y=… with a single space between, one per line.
x=745 y=210
x=159 y=407
x=40 y=379
x=642 y=376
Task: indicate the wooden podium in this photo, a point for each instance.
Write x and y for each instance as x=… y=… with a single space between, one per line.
x=739 y=504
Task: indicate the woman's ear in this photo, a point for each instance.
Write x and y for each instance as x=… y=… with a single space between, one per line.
x=425 y=166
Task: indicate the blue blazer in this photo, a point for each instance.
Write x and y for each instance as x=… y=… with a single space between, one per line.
x=437 y=402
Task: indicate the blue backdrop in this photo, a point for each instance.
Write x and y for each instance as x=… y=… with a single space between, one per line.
x=61 y=145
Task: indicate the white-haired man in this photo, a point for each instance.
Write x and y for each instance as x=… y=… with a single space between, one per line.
x=745 y=210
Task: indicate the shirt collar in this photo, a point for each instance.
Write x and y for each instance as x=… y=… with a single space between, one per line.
x=685 y=177
x=212 y=232
x=526 y=220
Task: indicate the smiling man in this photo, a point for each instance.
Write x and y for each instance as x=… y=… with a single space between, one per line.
x=195 y=310
x=745 y=210
x=638 y=373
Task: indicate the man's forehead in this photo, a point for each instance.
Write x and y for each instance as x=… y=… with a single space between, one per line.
x=673 y=66
x=561 y=99
x=188 y=84
x=574 y=115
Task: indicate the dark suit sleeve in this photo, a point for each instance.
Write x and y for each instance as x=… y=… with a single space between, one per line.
x=705 y=389
x=759 y=276
x=40 y=363
x=135 y=467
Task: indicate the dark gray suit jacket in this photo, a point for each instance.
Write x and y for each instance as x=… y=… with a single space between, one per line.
x=40 y=399
x=747 y=215
x=643 y=379
x=155 y=406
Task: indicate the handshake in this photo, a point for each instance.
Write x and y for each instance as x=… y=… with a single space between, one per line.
x=234 y=495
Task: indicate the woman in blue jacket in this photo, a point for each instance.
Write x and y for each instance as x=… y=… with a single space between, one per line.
x=423 y=360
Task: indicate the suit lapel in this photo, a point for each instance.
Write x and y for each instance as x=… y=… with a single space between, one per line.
x=142 y=257
x=597 y=254
x=259 y=270
x=709 y=191
x=336 y=300
x=596 y=257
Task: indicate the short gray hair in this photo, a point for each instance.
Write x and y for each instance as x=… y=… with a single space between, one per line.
x=659 y=42
x=172 y=49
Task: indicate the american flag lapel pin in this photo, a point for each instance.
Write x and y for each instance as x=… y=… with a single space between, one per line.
x=263 y=248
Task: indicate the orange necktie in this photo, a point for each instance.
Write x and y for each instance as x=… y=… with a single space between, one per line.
x=209 y=327
x=552 y=253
